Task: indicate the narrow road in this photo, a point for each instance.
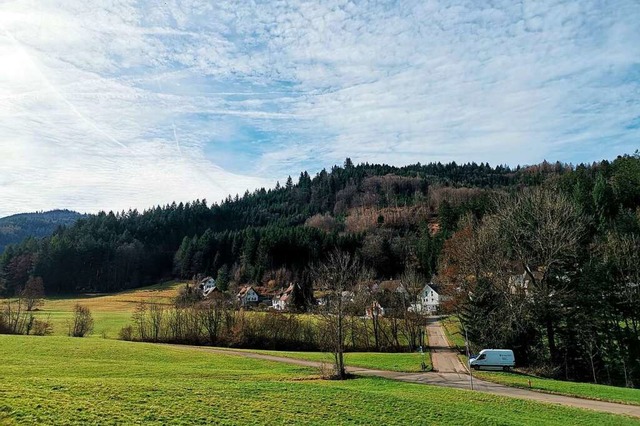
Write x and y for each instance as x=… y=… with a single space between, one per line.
x=448 y=372
x=444 y=358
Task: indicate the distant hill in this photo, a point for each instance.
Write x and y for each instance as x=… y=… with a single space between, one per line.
x=15 y=228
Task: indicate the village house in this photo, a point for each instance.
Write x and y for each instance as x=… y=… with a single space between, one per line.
x=247 y=296
x=391 y=286
x=374 y=310
x=207 y=286
x=428 y=299
x=520 y=284
x=282 y=300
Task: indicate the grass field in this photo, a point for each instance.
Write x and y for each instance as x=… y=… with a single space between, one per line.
x=453 y=330
x=403 y=362
x=61 y=380
x=581 y=390
x=110 y=312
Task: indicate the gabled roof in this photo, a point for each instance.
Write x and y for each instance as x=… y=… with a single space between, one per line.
x=245 y=289
x=433 y=286
x=285 y=295
x=394 y=286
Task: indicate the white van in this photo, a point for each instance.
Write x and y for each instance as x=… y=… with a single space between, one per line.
x=493 y=359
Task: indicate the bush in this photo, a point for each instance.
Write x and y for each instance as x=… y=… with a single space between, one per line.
x=42 y=328
x=126 y=333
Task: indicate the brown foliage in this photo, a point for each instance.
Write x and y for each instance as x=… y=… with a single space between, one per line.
x=324 y=222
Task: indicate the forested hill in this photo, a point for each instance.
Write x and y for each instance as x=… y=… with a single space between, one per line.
x=391 y=217
x=15 y=228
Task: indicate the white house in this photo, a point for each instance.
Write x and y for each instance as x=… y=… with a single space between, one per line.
x=248 y=296
x=207 y=286
x=428 y=299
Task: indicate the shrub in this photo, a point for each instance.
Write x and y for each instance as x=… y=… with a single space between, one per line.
x=126 y=333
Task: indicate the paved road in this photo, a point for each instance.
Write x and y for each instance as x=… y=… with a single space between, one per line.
x=443 y=357
x=449 y=372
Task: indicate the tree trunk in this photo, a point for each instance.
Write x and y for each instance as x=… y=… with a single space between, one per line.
x=339 y=344
x=551 y=337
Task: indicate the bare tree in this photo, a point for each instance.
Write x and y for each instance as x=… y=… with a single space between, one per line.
x=542 y=229
x=214 y=315
x=413 y=321
x=82 y=323
x=33 y=293
x=156 y=316
x=337 y=277
x=14 y=318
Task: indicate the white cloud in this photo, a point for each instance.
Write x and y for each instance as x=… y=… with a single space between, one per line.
x=127 y=103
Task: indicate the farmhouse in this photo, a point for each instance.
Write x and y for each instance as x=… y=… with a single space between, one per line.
x=247 y=296
x=428 y=299
x=282 y=300
x=207 y=286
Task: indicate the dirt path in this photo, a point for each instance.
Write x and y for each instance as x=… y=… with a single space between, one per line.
x=450 y=374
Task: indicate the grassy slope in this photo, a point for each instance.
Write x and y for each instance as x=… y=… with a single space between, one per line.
x=403 y=362
x=581 y=390
x=110 y=312
x=453 y=331
x=111 y=382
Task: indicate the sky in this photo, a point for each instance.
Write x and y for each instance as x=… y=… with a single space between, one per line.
x=118 y=104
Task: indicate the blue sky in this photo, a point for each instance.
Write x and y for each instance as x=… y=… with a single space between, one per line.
x=121 y=103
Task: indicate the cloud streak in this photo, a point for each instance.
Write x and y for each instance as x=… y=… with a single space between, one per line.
x=135 y=103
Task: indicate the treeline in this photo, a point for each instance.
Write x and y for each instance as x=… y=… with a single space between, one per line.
x=14 y=229
x=114 y=251
x=554 y=273
x=218 y=322
x=390 y=216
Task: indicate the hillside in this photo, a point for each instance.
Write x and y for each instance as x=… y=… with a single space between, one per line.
x=543 y=259
x=354 y=208
x=14 y=229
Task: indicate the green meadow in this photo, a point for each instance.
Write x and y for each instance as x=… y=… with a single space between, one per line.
x=402 y=362
x=581 y=390
x=110 y=312
x=72 y=381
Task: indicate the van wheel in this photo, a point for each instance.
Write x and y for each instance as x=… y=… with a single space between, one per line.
x=506 y=368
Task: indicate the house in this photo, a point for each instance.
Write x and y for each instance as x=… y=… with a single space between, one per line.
x=248 y=296
x=428 y=299
x=282 y=300
x=348 y=296
x=207 y=286
x=374 y=310
x=520 y=284
x=392 y=286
